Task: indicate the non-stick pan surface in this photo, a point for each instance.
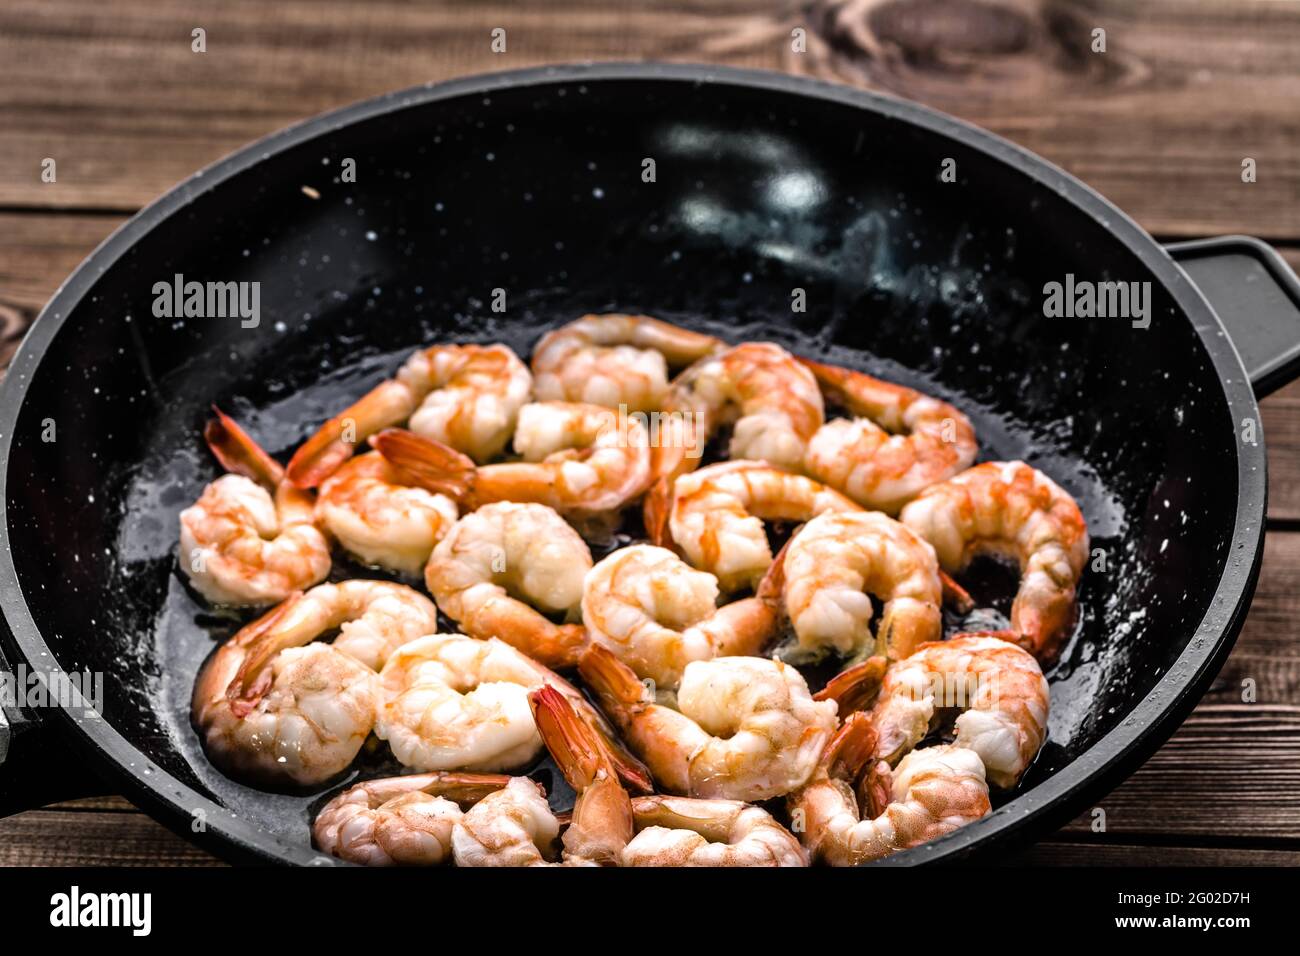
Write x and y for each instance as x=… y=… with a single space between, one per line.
x=535 y=183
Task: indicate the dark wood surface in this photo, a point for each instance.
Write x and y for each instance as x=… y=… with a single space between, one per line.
x=1160 y=123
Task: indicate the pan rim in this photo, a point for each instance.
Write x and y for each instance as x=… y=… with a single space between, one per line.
x=1151 y=720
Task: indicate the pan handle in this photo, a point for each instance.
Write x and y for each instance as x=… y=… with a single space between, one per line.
x=1257 y=297
x=37 y=768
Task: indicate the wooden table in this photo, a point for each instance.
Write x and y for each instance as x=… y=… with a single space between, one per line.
x=1160 y=123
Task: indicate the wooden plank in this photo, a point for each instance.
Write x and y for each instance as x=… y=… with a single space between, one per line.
x=1160 y=122
x=37 y=252
x=90 y=838
x=1230 y=772
x=105 y=804
x=1267 y=652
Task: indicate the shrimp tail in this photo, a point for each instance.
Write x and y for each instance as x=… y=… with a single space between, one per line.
x=656 y=511
x=850 y=755
x=772 y=585
x=851 y=749
x=602 y=816
x=875 y=783
x=428 y=464
x=746 y=627
x=954 y=595
x=577 y=751
x=238 y=453
x=557 y=646
x=261 y=641
x=616 y=686
x=388 y=403
x=634 y=774
x=854 y=688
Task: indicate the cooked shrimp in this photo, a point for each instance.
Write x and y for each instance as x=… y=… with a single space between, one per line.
x=771 y=399
x=602 y=814
x=373 y=618
x=746 y=728
x=715 y=515
x=512 y=827
x=581 y=460
x=931 y=792
x=615 y=360
x=1012 y=510
x=657 y=614
x=465 y=396
x=901 y=442
x=452 y=702
x=403 y=821
x=502 y=568
x=681 y=831
x=998 y=688
x=239 y=545
x=383 y=515
x=272 y=712
x=832 y=567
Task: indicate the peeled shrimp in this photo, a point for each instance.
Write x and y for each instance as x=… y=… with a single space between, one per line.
x=502 y=568
x=832 y=567
x=578 y=459
x=657 y=614
x=272 y=712
x=373 y=618
x=901 y=442
x=465 y=396
x=715 y=515
x=614 y=360
x=772 y=400
x=512 y=827
x=382 y=515
x=1012 y=510
x=452 y=702
x=239 y=545
x=998 y=688
x=681 y=831
x=746 y=728
x=931 y=792
x=403 y=821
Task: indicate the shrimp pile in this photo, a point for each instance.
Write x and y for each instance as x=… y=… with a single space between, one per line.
x=739 y=535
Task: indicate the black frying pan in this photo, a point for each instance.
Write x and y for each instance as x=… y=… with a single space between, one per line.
x=532 y=182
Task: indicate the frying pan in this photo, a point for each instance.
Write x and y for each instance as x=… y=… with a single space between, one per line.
x=712 y=198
